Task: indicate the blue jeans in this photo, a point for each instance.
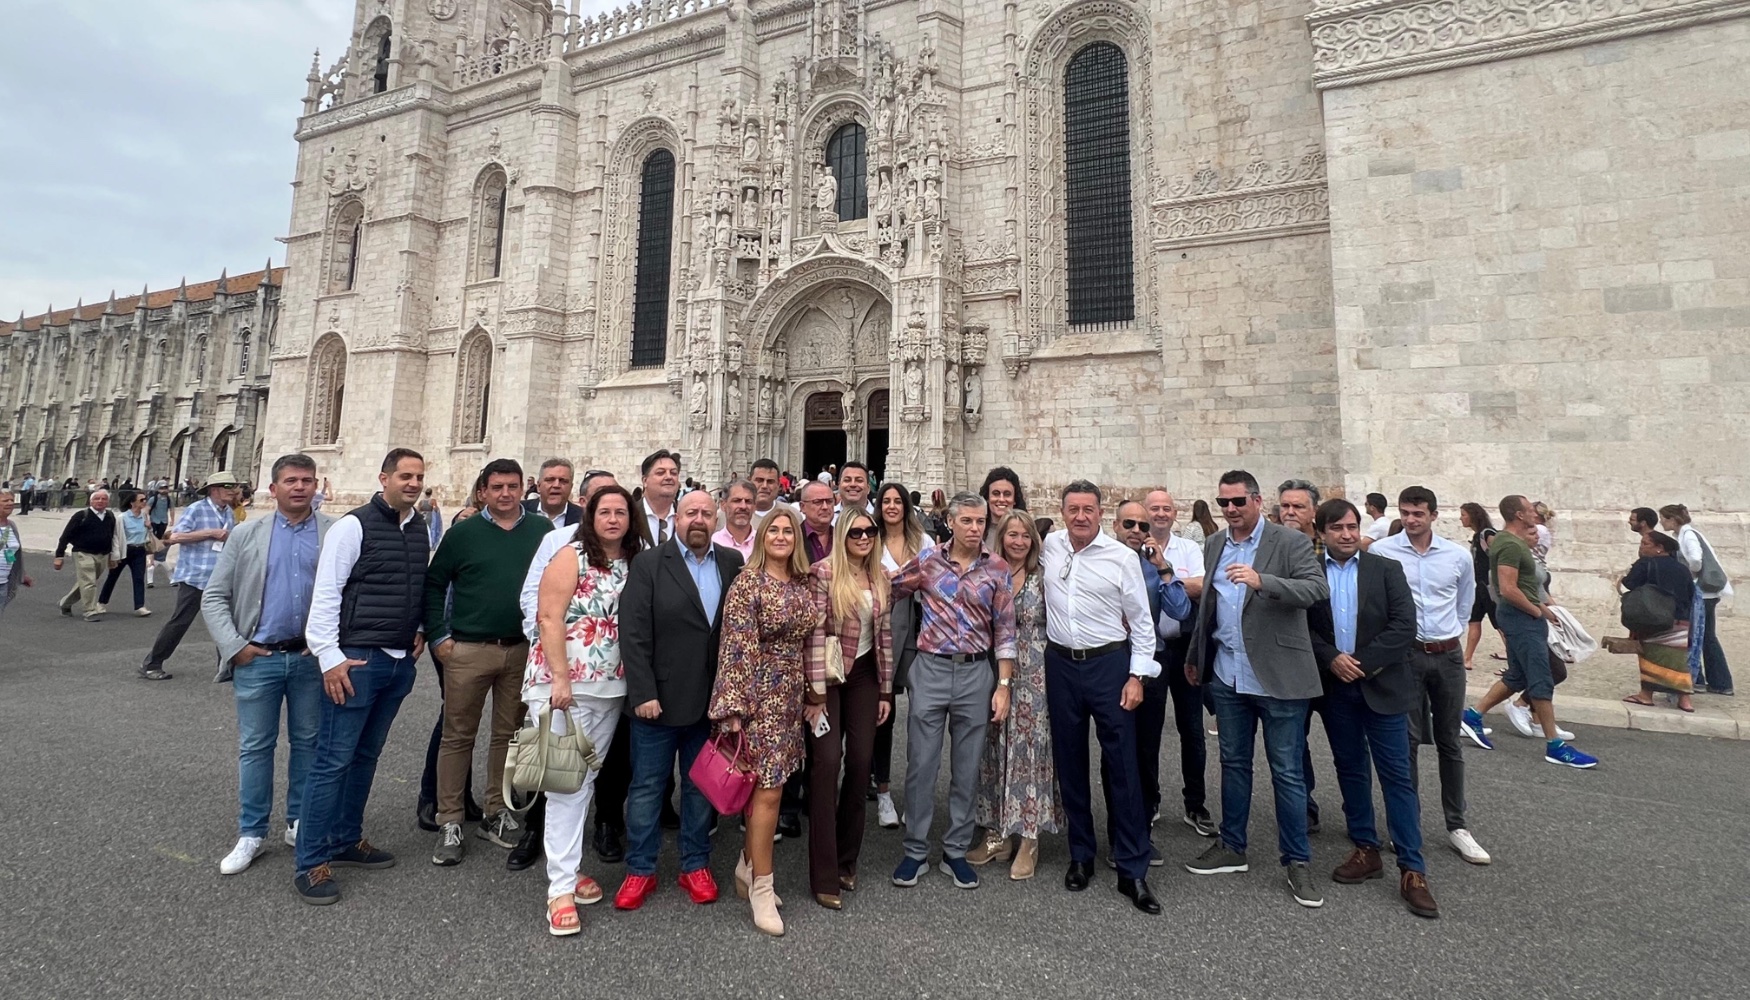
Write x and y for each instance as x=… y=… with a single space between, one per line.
x=654 y=748
x=1362 y=741
x=1284 y=722
x=348 y=743
x=259 y=688
x=1719 y=675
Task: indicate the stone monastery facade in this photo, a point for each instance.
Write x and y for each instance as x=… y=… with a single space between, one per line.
x=1489 y=248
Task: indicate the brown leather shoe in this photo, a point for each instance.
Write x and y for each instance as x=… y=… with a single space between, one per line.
x=1413 y=886
x=1362 y=864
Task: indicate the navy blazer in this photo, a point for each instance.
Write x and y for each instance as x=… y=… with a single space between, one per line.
x=1385 y=626
x=573 y=513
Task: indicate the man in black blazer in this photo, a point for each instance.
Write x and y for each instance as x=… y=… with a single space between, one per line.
x=554 y=502
x=1361 y=636
x=671 y=622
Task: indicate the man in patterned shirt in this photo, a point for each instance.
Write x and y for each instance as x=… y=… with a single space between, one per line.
x=966 y=614
x=201 y=531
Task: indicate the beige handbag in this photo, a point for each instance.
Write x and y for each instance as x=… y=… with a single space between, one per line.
x=540 y=760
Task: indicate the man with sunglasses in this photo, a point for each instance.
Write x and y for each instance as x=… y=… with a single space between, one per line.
x=1186 y=559
x=1166 y=597
x=1252 y=647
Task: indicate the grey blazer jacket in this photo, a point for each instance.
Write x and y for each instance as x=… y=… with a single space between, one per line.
x=231 y=604
x=1273 y=621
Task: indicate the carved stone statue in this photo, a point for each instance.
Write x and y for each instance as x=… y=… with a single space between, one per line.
x=932 y=199
x=698 y=401
x=914 y=384
x=974 y=393
x=765 y=399
x=734 y=403
x=953 y=379
x=750 y=146
x=826 y=194
x=883 y=199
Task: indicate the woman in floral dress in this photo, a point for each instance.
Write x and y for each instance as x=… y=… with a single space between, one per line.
x=578 y=616
x=1017 y=787
x=768 y=615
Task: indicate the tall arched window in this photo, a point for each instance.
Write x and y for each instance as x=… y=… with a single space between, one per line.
x=489 y=214
x=650 y=287
x=200 y=359
x=243 y=340
x=844 y=157
x=327 y=390
x=377 y=47
x=90 y=373
x=473 y=387
x=348 y=240
x=1096 y=119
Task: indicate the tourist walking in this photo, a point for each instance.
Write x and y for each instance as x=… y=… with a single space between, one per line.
x=256 y=606
x=364 y=627
x=1017 y=780
x=158 y=514
x=758 y=696
x=12 y=574
x=578 y=616
x=201 y=531
x=95 y=535
x=1713 y=584
x=1476 y=520
x=135 y=531
x=1664 y=654
x=850 y=686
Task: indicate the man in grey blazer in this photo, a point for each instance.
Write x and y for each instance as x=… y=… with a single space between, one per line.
x=1252 y=648
x=255 y=606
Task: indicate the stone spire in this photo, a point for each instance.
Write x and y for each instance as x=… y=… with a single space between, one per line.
x=110 y=308
x=145 y=296
x=182 y=290
x=224 y=286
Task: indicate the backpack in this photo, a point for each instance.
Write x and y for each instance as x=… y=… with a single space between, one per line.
x=1648 y=611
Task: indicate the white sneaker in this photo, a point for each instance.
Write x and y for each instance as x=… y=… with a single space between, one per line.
x=885 y=814
x=1520 y=717
x=1563 y=734
x=103 y=609
x=245 y=851
x=142 y=612
x=292 y=834
x=1467 y=847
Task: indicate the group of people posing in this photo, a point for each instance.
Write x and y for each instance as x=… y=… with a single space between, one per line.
x=659 y=623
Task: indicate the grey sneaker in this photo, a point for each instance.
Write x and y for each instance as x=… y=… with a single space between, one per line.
x=504 y=829
x=449 y=848
x=1218 y=860
x=1302 y=884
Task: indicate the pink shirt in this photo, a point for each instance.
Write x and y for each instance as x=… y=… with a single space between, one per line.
x=724 y=539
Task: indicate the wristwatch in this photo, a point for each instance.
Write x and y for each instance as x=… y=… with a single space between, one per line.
x=1003 y=681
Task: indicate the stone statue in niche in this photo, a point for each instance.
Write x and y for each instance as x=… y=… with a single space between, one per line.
x=914 y=384
x=974 y=393
x=932 y=199
x=953 y=379
x=734 y=403
x=766 y=399
x=884 y=199
x=697 y=406
x=750 y=146
x=826 y=194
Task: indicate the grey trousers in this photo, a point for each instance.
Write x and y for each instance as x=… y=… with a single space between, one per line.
x=954 y=697
x=1441 y=678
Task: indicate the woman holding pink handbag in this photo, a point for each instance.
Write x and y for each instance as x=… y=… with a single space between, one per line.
x=850 y=687
x=767 y=615
x=578 y=616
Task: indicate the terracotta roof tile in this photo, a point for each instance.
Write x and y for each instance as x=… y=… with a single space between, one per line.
x=125 y=305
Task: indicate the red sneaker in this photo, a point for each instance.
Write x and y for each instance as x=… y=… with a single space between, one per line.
x=633 y=891
x=701 y=887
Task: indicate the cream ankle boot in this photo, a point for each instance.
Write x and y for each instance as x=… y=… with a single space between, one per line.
x=744 y=879
x=765 y=907
x=1026 y=860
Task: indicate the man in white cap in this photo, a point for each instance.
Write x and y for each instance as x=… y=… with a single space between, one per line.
x=201 y=531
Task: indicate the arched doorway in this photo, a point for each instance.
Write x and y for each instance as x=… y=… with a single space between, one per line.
x=823 y=433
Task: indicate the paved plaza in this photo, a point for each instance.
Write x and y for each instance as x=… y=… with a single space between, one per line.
x=1627 y=881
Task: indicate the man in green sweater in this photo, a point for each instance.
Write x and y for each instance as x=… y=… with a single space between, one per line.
x=474 y=625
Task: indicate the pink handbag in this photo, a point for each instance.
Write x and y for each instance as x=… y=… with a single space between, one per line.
x=719 y=773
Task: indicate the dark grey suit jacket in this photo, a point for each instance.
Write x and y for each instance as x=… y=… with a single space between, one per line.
x=573 y=513
x=1385 y=625
x=667 y=646
x=1273 y=621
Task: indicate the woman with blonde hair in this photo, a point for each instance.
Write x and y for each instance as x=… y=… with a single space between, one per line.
x=1017 y=783
x=767 y=616
x=850 y=687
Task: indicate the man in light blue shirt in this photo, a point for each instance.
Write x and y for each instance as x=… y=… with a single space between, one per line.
x=202 y=531
x=1231 y=663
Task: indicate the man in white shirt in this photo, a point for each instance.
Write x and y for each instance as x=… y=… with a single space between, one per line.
x=738 y=527
x=660 y=476
x=1100 y=645
x=767 y=479
x=1378 y=524
x=1443 y=580
x=554 y=502
x=853 y=489
x=1185 y=558
x=365 y=629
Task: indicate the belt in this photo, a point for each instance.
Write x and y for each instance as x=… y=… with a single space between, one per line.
x=1438 y=646
x=283 y=646
x=1085 y=654
x=961 y=657
x=509 y=640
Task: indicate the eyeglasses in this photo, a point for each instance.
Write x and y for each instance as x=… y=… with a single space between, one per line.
x=858 y=534
x=819 y=500
x=1234 y=501
x=1129 y=525
x=1069 y=565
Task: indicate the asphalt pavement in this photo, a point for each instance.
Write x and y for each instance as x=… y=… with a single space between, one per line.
x=1626 y=881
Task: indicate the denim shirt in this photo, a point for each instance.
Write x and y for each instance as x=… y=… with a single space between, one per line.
x=1232 y=664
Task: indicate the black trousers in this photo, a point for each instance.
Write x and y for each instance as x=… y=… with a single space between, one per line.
x=428 y=777
x=188 y=605
x=1188 y=720
x=614 y=780
x=135 y=564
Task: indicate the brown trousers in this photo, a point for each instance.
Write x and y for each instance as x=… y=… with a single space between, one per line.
x=472 y=670
x=836 y=810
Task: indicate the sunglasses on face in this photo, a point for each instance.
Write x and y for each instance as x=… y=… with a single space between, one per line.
x=1130 y=525
x=858 y=534
x=1232 y=501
